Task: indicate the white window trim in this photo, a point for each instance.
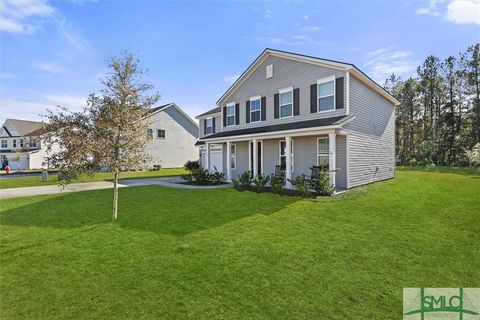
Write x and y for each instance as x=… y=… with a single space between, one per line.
x=231 y=104
x=234 y=145
x=292 y=149
x=207 y=126
x=325 y=80
x=260 y=110
x=318 y=151
x=285 y=90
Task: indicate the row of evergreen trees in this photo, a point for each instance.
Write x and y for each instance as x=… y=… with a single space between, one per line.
x=438 y=120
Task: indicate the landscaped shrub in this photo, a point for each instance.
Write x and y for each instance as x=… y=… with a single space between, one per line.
x=322 y=186
x=259 y=182
x=277 y=185
x=216 y=177
x=200 y=175
x=245 y=180
x=303 y=188
x=191 y=165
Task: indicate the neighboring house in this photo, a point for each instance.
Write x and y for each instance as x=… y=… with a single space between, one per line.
x=20 y=145
x=299 y=111
x=172 y=137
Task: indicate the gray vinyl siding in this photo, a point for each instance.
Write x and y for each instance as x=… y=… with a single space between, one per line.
x=286 y=73
x=371 y=136
x=242 y=159
x=271 y=156
x=178 y=146
x=218 y=125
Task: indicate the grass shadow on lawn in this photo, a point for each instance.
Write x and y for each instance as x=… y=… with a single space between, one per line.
x=151 y=208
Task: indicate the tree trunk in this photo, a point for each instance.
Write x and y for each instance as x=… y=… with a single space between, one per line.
x=115 y=196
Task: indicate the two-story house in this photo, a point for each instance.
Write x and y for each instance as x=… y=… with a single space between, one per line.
x=172 y=136
x=21 y=147
x=299 y=111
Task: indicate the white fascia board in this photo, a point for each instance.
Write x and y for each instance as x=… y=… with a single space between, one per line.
x=277 y=134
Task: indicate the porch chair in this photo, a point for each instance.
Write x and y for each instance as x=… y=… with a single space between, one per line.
x=279 y=173
x=316 y=172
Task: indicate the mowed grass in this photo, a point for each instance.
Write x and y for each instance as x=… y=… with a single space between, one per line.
x=223 y=254
x=35 y=181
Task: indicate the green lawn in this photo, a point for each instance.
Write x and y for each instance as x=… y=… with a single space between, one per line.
x=223 y=254
x=101 y=176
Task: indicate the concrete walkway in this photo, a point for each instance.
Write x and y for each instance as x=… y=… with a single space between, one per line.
x=74 y=187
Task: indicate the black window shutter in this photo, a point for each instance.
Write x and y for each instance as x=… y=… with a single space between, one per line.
x=204 y=126
x=313 y=98
x=247 y=111
x=276 y=105
x=237 y=113
x=296 y=102
x=224 y=116
x=213 y=125
x=339 y=93
x=264 y=109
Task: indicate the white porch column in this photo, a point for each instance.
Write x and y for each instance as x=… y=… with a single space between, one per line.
x=288 y=161
x=229 y=155
x=331 y=157
x=207 y=158
x=255 y=157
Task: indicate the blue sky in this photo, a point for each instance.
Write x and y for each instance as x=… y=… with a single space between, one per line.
x=55 y=52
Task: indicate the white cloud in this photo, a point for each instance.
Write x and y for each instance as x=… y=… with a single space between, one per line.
x=463 y=11
x=431 y=9
x=268 y=13
x=306 y=17
x=231 y=79
x=28 y=16
x=49 y=67
x=22 y=16
x=67 y=100
x=385 y=61
x=17 y=109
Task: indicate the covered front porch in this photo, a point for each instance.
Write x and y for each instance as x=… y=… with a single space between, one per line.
x=296 y=153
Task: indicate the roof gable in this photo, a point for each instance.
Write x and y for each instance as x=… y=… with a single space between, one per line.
x=20 y=128
x=185 y=121
x=307 y=59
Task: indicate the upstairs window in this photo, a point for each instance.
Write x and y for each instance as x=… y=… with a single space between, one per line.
x=326 y=94
x=230 y=115
x=286 y=103
x=323 y=154
x=14 y=143
x=161 y=134
x=209 y=126
x=255 y=106
x=33 y=143
x=150 y=133
x=4 y=143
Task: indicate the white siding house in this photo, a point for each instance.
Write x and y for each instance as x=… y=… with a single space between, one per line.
x=21 y=147
x=172 y=137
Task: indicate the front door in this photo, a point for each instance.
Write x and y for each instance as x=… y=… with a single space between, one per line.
x=258 y=155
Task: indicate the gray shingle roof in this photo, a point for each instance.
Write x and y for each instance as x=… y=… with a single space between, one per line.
x=281 y=127
x=25 y=127
x=212 y=111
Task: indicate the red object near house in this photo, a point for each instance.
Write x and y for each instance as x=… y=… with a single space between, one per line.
x=7 y=169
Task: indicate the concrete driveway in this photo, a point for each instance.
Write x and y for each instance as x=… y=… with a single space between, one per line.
x=75 y=187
